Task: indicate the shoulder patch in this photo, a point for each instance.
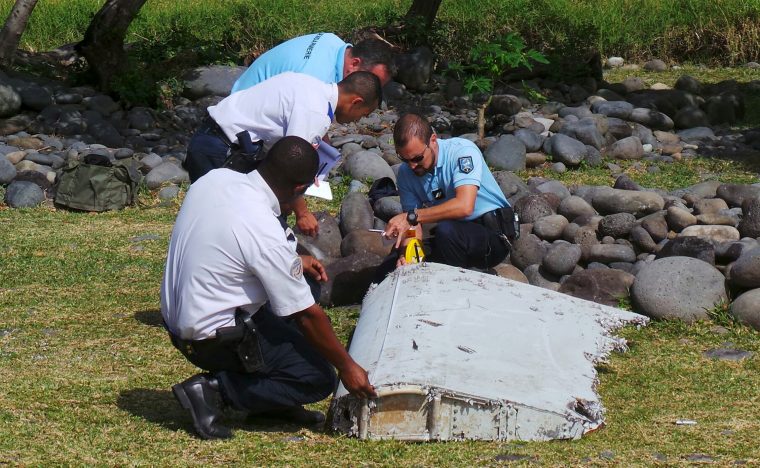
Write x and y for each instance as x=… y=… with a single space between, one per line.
x=465 y=164
x=296 y=269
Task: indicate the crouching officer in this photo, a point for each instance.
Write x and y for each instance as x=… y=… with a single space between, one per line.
x=236 y=303
x=447 y=182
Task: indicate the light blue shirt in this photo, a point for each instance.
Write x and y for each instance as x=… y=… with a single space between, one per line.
x=459 y=163
x=320 y=55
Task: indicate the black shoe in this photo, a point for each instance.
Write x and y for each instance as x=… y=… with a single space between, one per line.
x=200 y=395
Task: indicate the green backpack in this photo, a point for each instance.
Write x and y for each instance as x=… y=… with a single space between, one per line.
x=97 y=184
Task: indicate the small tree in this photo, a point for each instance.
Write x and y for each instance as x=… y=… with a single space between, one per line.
x=103 y=43
x=14 y=27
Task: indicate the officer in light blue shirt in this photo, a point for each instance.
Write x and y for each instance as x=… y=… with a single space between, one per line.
x=447 y=182
x=324 y=56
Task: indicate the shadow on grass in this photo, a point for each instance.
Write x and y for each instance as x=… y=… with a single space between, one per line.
x=159 y=407
x=152 y=318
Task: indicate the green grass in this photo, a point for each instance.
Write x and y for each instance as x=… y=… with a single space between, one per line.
x=726 y=32
x=87 y=370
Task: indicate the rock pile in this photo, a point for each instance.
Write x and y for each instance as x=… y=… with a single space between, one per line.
x=673 y=255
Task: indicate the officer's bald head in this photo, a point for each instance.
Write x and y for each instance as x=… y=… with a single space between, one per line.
x=411 y=126
x=290 y=163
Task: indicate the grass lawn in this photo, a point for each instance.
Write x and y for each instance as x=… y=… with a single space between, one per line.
x=87 y=369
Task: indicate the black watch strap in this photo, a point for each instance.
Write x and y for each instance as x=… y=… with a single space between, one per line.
x=411 y=217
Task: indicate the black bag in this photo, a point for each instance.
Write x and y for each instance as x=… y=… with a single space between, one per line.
x=97 y=184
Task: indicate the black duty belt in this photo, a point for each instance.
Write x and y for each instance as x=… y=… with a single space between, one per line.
x=210 y=125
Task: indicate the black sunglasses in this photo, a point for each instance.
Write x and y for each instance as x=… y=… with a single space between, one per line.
x=417 y=159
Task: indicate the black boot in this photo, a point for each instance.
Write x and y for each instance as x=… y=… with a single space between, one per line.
x=200 y=395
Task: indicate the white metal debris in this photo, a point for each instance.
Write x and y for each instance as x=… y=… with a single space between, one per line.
x=456 y=354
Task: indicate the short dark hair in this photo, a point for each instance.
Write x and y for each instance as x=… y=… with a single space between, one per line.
x=291 y=161
x=374 y=52
x=365 y=85
x=410 y=126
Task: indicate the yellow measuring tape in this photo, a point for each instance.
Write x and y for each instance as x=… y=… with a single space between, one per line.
x=414 y=252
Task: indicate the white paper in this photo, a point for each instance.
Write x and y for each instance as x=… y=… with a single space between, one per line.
x=323 y=191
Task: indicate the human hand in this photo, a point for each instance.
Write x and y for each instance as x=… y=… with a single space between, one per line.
x=401 y=261
x=314 y=268
x=307 y=223
x=356 y=381
x=397 y=227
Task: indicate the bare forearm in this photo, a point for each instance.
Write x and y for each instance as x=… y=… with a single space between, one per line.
x=299 y=207
x=318 y=331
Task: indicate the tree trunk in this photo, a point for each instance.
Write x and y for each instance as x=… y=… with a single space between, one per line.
x=14 y=27
x=103 y=43
x=427 y=9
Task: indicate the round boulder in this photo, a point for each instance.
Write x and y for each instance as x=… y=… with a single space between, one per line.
x=561 y=258
x=567 y=150
x=532 y=207
x=527 y=250
x=749 y=226
x=364 y=241
x=550 y=227
x=680 y=288
x=507 y=153
x=23 y=194
x=10 y=101
x=364 y=165
x=355 y=213
x=611 y=201
x=7 y=171
x=746 y=308
x=617 y=225
x=601 y=285
x=745 y=272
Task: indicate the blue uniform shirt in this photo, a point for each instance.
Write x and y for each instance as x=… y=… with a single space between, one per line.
x=460 y=162
x=320 y=55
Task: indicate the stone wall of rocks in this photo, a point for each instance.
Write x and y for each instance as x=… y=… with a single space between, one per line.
x=673 y=255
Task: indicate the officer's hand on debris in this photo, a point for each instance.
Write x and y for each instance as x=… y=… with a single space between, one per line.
x=401 y=261
x=314 y=268
x=396 y=227
x=307 y=223
x=356 y=381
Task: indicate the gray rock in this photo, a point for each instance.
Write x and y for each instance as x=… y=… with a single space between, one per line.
x=387 y=207
x=745 y=272
x=23 y=194
x=364 y=165
x=585 y=130
x=678 y=288
x=593 y=157
x=554 y=186
x=618 y=128
x=102 y=104
x=364 y=241
x=749 y=226
x=678 y=218
x=35 y=97
x=355 y=213
x=168 y=193
x=690 y=117
x=611 y=201
x=608 y=253
x=141 y=118
x=326 y=245
x=574 y=206
x=746 y=308
x=696 y=134
x=550 y=227
x=580 y=112
x=600 y=285
x=694 y=247
x=633 y=83
x=527 y=250
x=532 y=140
x=150 y=162
x=506 y=270
x=506 y=104
x=618 y=109
x=214 y=80
x=689 y=84
x=10 y=101
x=642 y=240
x=105 y=133
x=645 y=134
x=583 y=236
x=507 y=153
x=7 y=171
x=15 y=124
x=532 y=207
x=735 y=194
x=623 y=182
x=561 y=258
x=349 y=279
x=709 y=206
x=567 y=150
x=166 y=173
x=655 y=65
x=615 y=62
x=617 y=225
x=651 y=118
x=539 y=277
x=56 y=162
x=655 y=225
x=415 y=68
x=727 y=354
x=714 y=233
x=724 y=217
x=627 y=148
x=123 y=153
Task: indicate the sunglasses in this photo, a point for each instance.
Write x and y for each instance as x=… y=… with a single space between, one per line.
x=416 y=159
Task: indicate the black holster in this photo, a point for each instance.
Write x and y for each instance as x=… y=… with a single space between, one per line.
x=244 y=156
x=503 y=221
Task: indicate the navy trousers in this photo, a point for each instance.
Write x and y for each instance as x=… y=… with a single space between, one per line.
x=463 y=244
x=206 y=151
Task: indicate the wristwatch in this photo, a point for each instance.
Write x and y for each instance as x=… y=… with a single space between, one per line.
x=411 y=217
